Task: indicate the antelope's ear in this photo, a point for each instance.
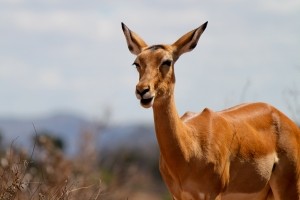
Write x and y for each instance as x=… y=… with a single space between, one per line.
x=188 y=41
x=134 y=42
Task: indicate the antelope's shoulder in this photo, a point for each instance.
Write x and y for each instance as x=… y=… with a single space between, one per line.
x=190 y=116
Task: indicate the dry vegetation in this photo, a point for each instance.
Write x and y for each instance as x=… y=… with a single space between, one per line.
x=46 y=173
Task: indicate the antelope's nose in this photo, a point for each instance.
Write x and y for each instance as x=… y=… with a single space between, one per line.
x=143 y=93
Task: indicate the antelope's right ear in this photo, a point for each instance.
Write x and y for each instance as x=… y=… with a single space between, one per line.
x=188 y=41
x=134 y=42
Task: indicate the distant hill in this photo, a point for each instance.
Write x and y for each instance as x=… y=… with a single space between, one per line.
x=69 y=127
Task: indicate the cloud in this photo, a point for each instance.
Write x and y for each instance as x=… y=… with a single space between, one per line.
x=12 y=2
x=50 y=79
x=281 y=7
x=84 y=24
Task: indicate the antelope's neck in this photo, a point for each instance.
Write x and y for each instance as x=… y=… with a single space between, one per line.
x=170 y=131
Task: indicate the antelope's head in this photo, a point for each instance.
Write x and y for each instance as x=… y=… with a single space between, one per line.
x=155 y=63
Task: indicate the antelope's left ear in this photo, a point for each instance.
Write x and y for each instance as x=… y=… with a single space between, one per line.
x=135 y=43
x=188 y=41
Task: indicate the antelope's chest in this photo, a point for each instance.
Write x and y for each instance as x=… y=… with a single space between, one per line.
x=189 y=182
x=188 y=189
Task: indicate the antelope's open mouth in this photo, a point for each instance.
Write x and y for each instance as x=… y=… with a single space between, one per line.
x=147 y=103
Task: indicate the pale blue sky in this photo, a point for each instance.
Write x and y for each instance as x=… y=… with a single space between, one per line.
x=72 y=55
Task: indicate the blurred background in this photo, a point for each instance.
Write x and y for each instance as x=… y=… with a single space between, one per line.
x=67 y=83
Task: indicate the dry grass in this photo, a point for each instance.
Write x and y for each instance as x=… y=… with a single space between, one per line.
x=46 y=173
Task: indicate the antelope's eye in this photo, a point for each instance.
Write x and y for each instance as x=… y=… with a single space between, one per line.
x=166 y=63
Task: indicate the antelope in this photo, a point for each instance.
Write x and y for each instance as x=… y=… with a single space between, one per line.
x=250 y=151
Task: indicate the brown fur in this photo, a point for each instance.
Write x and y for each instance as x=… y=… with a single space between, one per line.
x=250 y=151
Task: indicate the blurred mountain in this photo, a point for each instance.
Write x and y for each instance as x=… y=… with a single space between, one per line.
x=70 y=127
